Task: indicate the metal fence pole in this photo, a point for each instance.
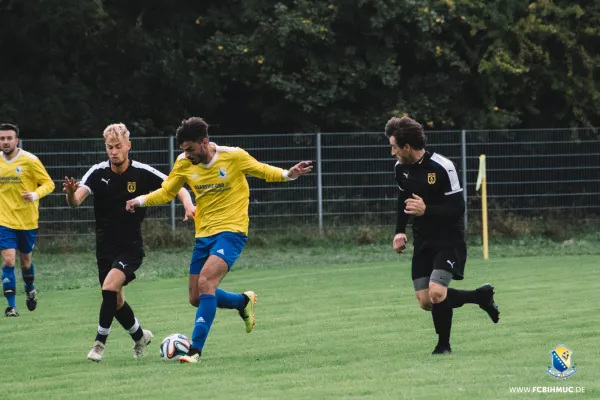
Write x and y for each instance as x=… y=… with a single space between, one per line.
x=319 y=184
x=171 y=162
x=463 y=150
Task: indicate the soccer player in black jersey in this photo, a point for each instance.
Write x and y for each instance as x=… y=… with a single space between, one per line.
x=119 y=246
x=431 y=192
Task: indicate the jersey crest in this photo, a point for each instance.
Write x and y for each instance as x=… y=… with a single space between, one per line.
x=431 y=178
x=131 y=187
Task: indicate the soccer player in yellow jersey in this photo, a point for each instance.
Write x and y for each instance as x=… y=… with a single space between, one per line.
x=217 y=176
x=23 y=182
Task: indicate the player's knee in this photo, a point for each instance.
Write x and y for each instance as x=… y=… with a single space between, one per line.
x=205 y=285
x=436 y=295
x=8 y=259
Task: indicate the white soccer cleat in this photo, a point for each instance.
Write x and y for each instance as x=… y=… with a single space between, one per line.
x=96 y=352
x=139 y=348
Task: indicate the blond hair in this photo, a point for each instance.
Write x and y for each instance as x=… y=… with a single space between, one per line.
x=118 y=131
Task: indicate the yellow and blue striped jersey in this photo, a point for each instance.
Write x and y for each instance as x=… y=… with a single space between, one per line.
x=24 y=173
x=220 y=187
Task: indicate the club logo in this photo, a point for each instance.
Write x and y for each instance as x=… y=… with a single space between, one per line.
x=222 y=173
x=562 y=363
x=431 y=178
x=19 y=170
x=131 y=187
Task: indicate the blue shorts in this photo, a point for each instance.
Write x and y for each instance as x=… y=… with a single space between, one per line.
x=22 y=240
x=226 y=245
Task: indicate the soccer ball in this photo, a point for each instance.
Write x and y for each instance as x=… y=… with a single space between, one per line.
x=174 y=346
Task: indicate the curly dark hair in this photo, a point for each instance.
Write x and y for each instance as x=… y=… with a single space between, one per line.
x=194 y=129
x=406 y=131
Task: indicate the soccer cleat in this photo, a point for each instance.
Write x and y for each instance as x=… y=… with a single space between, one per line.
x=96 y=352
x=487 y=302
x=11 y=312
x=190 y=358
x=247 y=313
x=139 y=348
x=442 y=350
x=31 y=300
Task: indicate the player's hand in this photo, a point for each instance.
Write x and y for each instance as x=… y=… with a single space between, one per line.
x=190 y=213
x=400 y=242
x=70 y=186
x=415 y=206
x=28 y=196
x=131 y=205
x=303 y=167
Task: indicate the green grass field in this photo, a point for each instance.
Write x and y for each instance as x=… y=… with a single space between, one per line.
x=332 y=330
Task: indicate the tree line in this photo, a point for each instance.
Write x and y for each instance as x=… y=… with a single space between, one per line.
x=70 y=67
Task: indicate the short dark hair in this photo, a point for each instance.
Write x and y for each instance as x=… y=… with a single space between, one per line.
x=9 y=127
x=406 y=131
x=195 y=129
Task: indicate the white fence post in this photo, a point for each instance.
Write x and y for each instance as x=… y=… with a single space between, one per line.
x=319 y=184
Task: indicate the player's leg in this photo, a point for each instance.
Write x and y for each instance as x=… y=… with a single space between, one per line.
x=127 y=264
x=8 y=245
x=97 y=351
x=453 y=260
x=447 y=264
x=229 y=246
x=441 y=312
x=9 y=284
x=25 y=243
x=211 y=274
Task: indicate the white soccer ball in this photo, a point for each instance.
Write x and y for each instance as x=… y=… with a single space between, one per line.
x=174 y=346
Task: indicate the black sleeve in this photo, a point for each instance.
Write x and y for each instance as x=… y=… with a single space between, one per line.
x=454 y=206
x=402 y=217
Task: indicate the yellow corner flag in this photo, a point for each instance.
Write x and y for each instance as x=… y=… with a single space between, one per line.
x=481 y=184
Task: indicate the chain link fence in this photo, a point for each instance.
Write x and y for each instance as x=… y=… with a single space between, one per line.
x=531 y=174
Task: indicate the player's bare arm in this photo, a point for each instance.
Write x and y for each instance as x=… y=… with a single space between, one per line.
x=74 y=193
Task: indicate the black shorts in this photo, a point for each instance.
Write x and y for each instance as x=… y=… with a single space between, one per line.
x=128 y=262
x=448 y=257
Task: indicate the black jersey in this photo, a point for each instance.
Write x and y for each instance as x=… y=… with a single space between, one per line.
x=118 y=230
x=434 y=178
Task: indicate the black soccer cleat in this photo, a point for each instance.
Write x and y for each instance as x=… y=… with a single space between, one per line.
x=487 y=303
x=11 y=312
x=31 y=300
x=442 y=350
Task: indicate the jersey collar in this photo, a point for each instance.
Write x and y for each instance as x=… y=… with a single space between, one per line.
x=426 y=157
x=210 y=164
x=19 y=152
